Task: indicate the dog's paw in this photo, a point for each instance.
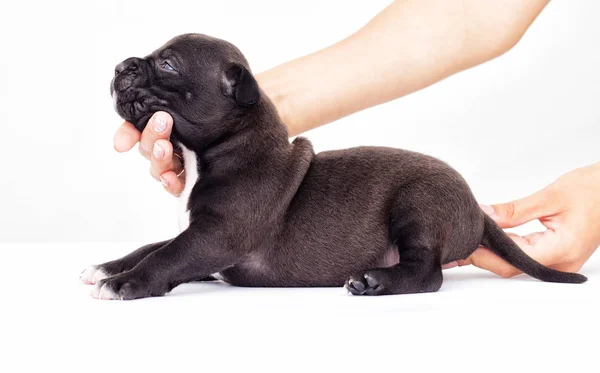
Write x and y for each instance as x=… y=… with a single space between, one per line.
x=369 y=283
x=93 y=275
x=103 y=290
x=124 y=287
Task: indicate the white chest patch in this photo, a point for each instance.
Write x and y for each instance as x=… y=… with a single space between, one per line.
x=191 y=176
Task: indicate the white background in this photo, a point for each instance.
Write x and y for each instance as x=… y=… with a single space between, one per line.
x=510 y=127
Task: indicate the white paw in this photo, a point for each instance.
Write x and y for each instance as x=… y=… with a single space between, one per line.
x=92 y=275
x=103 y=292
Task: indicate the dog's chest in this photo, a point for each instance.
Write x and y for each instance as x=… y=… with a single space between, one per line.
x=191 y=176
x=254 y=264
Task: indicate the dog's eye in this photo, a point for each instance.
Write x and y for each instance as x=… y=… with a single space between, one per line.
x=167 y=66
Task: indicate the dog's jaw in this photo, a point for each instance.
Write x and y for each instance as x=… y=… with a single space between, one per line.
x=137 y=105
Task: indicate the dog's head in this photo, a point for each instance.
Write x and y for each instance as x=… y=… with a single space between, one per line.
x=198 y=79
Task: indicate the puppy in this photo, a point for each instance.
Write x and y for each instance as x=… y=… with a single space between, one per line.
x=258 y=210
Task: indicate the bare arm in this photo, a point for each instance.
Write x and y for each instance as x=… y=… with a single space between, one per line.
x=408 y=46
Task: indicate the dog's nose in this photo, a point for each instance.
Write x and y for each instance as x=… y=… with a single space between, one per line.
x=130 y=64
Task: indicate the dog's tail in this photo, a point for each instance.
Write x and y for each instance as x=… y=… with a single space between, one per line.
x=496 y=240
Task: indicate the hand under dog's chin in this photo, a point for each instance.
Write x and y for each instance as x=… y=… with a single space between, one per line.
x=137 y=107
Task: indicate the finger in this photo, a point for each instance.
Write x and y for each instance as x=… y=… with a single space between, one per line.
x=159 y=127
x=467 y=262
x=568 y=266
x=512 y=214
x=534 y=238
x=172 y=183
x=161 y=159
x=540 y=246
x=458 y=263
x=126 y=137
x=464 y=262
x=485 y=259
x=450 y=265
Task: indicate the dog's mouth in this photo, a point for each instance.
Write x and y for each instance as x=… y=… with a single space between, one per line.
x=135 y=104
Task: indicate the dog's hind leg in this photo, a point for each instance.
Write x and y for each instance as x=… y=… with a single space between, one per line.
x=419 y=271
x=422 y=223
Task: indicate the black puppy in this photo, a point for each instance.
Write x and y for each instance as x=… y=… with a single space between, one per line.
x=261 y=211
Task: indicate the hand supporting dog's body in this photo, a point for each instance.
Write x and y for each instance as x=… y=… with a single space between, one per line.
x=265 y=212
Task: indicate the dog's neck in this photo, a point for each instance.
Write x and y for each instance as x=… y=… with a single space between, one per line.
x=258 y=158
x=258 y=138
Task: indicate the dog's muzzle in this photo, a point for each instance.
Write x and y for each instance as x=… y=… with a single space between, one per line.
x=135 y=99
x=129 y=73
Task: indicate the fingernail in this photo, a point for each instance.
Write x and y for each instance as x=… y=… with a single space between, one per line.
x=160 y=123
x=158 y=151
x=164 y=182
x=487 y=209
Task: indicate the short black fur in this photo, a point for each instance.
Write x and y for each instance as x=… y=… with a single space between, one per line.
x=267 y=212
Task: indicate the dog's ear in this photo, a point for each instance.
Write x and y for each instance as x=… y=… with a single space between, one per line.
x=239 y=84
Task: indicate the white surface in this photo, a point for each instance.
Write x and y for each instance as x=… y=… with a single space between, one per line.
x=476 y=322
x=510 y=126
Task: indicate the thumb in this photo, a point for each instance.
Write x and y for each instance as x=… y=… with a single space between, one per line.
x=126 y=137
x=512 y=214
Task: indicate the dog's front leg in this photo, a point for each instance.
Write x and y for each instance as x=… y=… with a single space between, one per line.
x=95 y=273
x=196 y=253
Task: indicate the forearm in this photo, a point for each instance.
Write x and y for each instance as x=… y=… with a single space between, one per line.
x=408 y=46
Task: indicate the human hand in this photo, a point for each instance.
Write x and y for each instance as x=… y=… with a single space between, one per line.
x=570 y=210
x=156 y=147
